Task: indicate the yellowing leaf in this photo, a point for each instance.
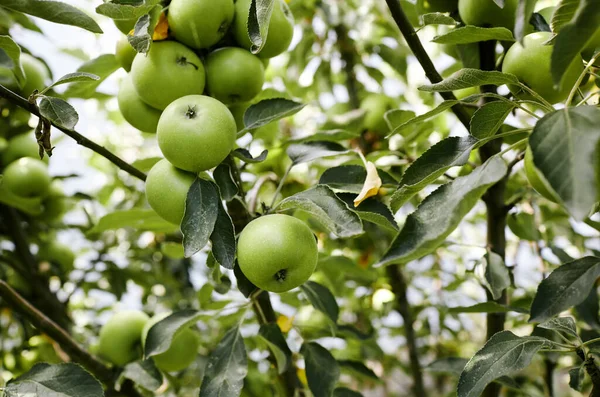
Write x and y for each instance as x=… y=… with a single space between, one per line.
x=302 y=376
x=285 y=323
x=371 y=186
x=161 y=31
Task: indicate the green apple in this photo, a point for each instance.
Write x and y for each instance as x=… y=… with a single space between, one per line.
x=166 y=190
x=125 y=25
x=135 y=111
x=8 y=79
x=375 y=107
x=196 y=133
x=537 y=179
x=530 y=62
x=277 y=252
x=54 y=203
x=427 y=6
x=22 y=145
x=169 y=71
x=120 y=339
x=58 y=253
x=27 y=177
x=200 y=23
x=36 y=74
x=488 y=13
x=281 y=28
x=124 y=53
x=181 y=353
x=234 y=75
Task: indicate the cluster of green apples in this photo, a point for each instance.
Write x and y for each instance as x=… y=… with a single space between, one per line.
x=123 y=338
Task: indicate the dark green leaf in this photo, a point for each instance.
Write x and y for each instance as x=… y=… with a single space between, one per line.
x=496 y=273
x=244 y=285
x=161 y=334
x=246 y=156
x=441 y=212
x=523 y=225
x=59 y=380
x=201 y=211
x=351 y=178
x=308 y=151
x=273 y=337
x=345 y=392
x=473 y=34
x=486 y=307
x=565 y=287
x=359 y=368
x=223 y=239
x=488 y=119
x=58 y=111
x=466 y=78
x=258 y=23
x=576 y=377
x=372 y=210
x=227 y=367
x=143 y=373
x=269 y=110
x=322 y=371
x=137 y=218
x=589 y=310
x=13 y=51
x=103 y=66
x=322 y=299
x=503 y=354
x=54 y=11
x=224 y=178
x=447 y=365
x=564 y=325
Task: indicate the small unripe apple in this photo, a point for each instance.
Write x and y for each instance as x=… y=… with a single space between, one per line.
x=135 y=111
x=55 y=203
x=27 y=178
x=488 y=13
x=124 y=53
x=58 y=253
x=200 y=23
x=36 y=74
x=120 y=340
x=22 y=145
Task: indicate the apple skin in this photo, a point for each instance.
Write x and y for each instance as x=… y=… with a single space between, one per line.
x=182 y=352
x=36 y=74
x=124 y=53
x=168 y=72
x=22 y=145
x=120 y=338
x=27 y=177
x=277 y=252
x=487 y=13
x=135 y=111
x=54 y=204
x=234 y=75
x=196 y=133
x=281 y=28
x=200 y=23
x=166 y=190
x=58 y=253
x=375 y=106
x=520 y=59
x=427 y=6
x=537 y=179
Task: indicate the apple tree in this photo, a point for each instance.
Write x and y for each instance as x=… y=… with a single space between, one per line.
x=299 y=198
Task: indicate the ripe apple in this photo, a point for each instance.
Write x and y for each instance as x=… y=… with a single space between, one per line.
x=200 y=23
x=196 y=133
x=169 y=71
x=59 y=254
x=181 y=353
x=166 y=190
x=124 y=53
x=427 y=6
x=281 y=28
x=537 y=179
x=234 y=75
x=27 y=177
x=36 y=74
x=120 y=340
x=135 y=111
x=277 y=252
x=487 y=13
x=54 y=203
x=375 y=106
x=530 y=62
x=22 y=145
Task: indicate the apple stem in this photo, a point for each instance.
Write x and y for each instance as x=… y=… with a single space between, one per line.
x=183 y=61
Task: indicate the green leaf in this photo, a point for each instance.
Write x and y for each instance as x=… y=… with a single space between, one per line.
x=345 y=392
x=126 y=11
x=246 y=156
x=223 y=176
x=227 y=367
x=351 y=178
x=564 y=13
x=58 y=111
x=372 y=210
x=573 y=37
x=466 y=78
x=503 y=354
x=269 y=110
x=137 y=218
x=576 y=377
x=322 y=203
x=448 y=153
x=161 y=334
x=201 y=211
x=141 y=39
x=564 y=145
x=143 y=373
x=13 y=51
x=588 y=311
x=441 y=212
x=322 y=299
x=244 y=285
x=488 y=119
x=271 y=334
x=523 y=225
x=473 y=34
x=401 y=121
x=54 y=11
x=258 y=23
x=103 y=66
x=328 y=135
x=72 y=78
x=223 y=239
x=565 y=287
x=59 y=380
x=146 y=164
x=447 y=365
x=322 y=371
x=496 y=274
x=565 y=325
x=486 y=307
x=308 y=151
x=437 y=18
x=358 y=368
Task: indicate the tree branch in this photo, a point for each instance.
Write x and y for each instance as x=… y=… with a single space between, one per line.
x=399 y=287
x=58 y=334
x=410 y=35
x=80 y=139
